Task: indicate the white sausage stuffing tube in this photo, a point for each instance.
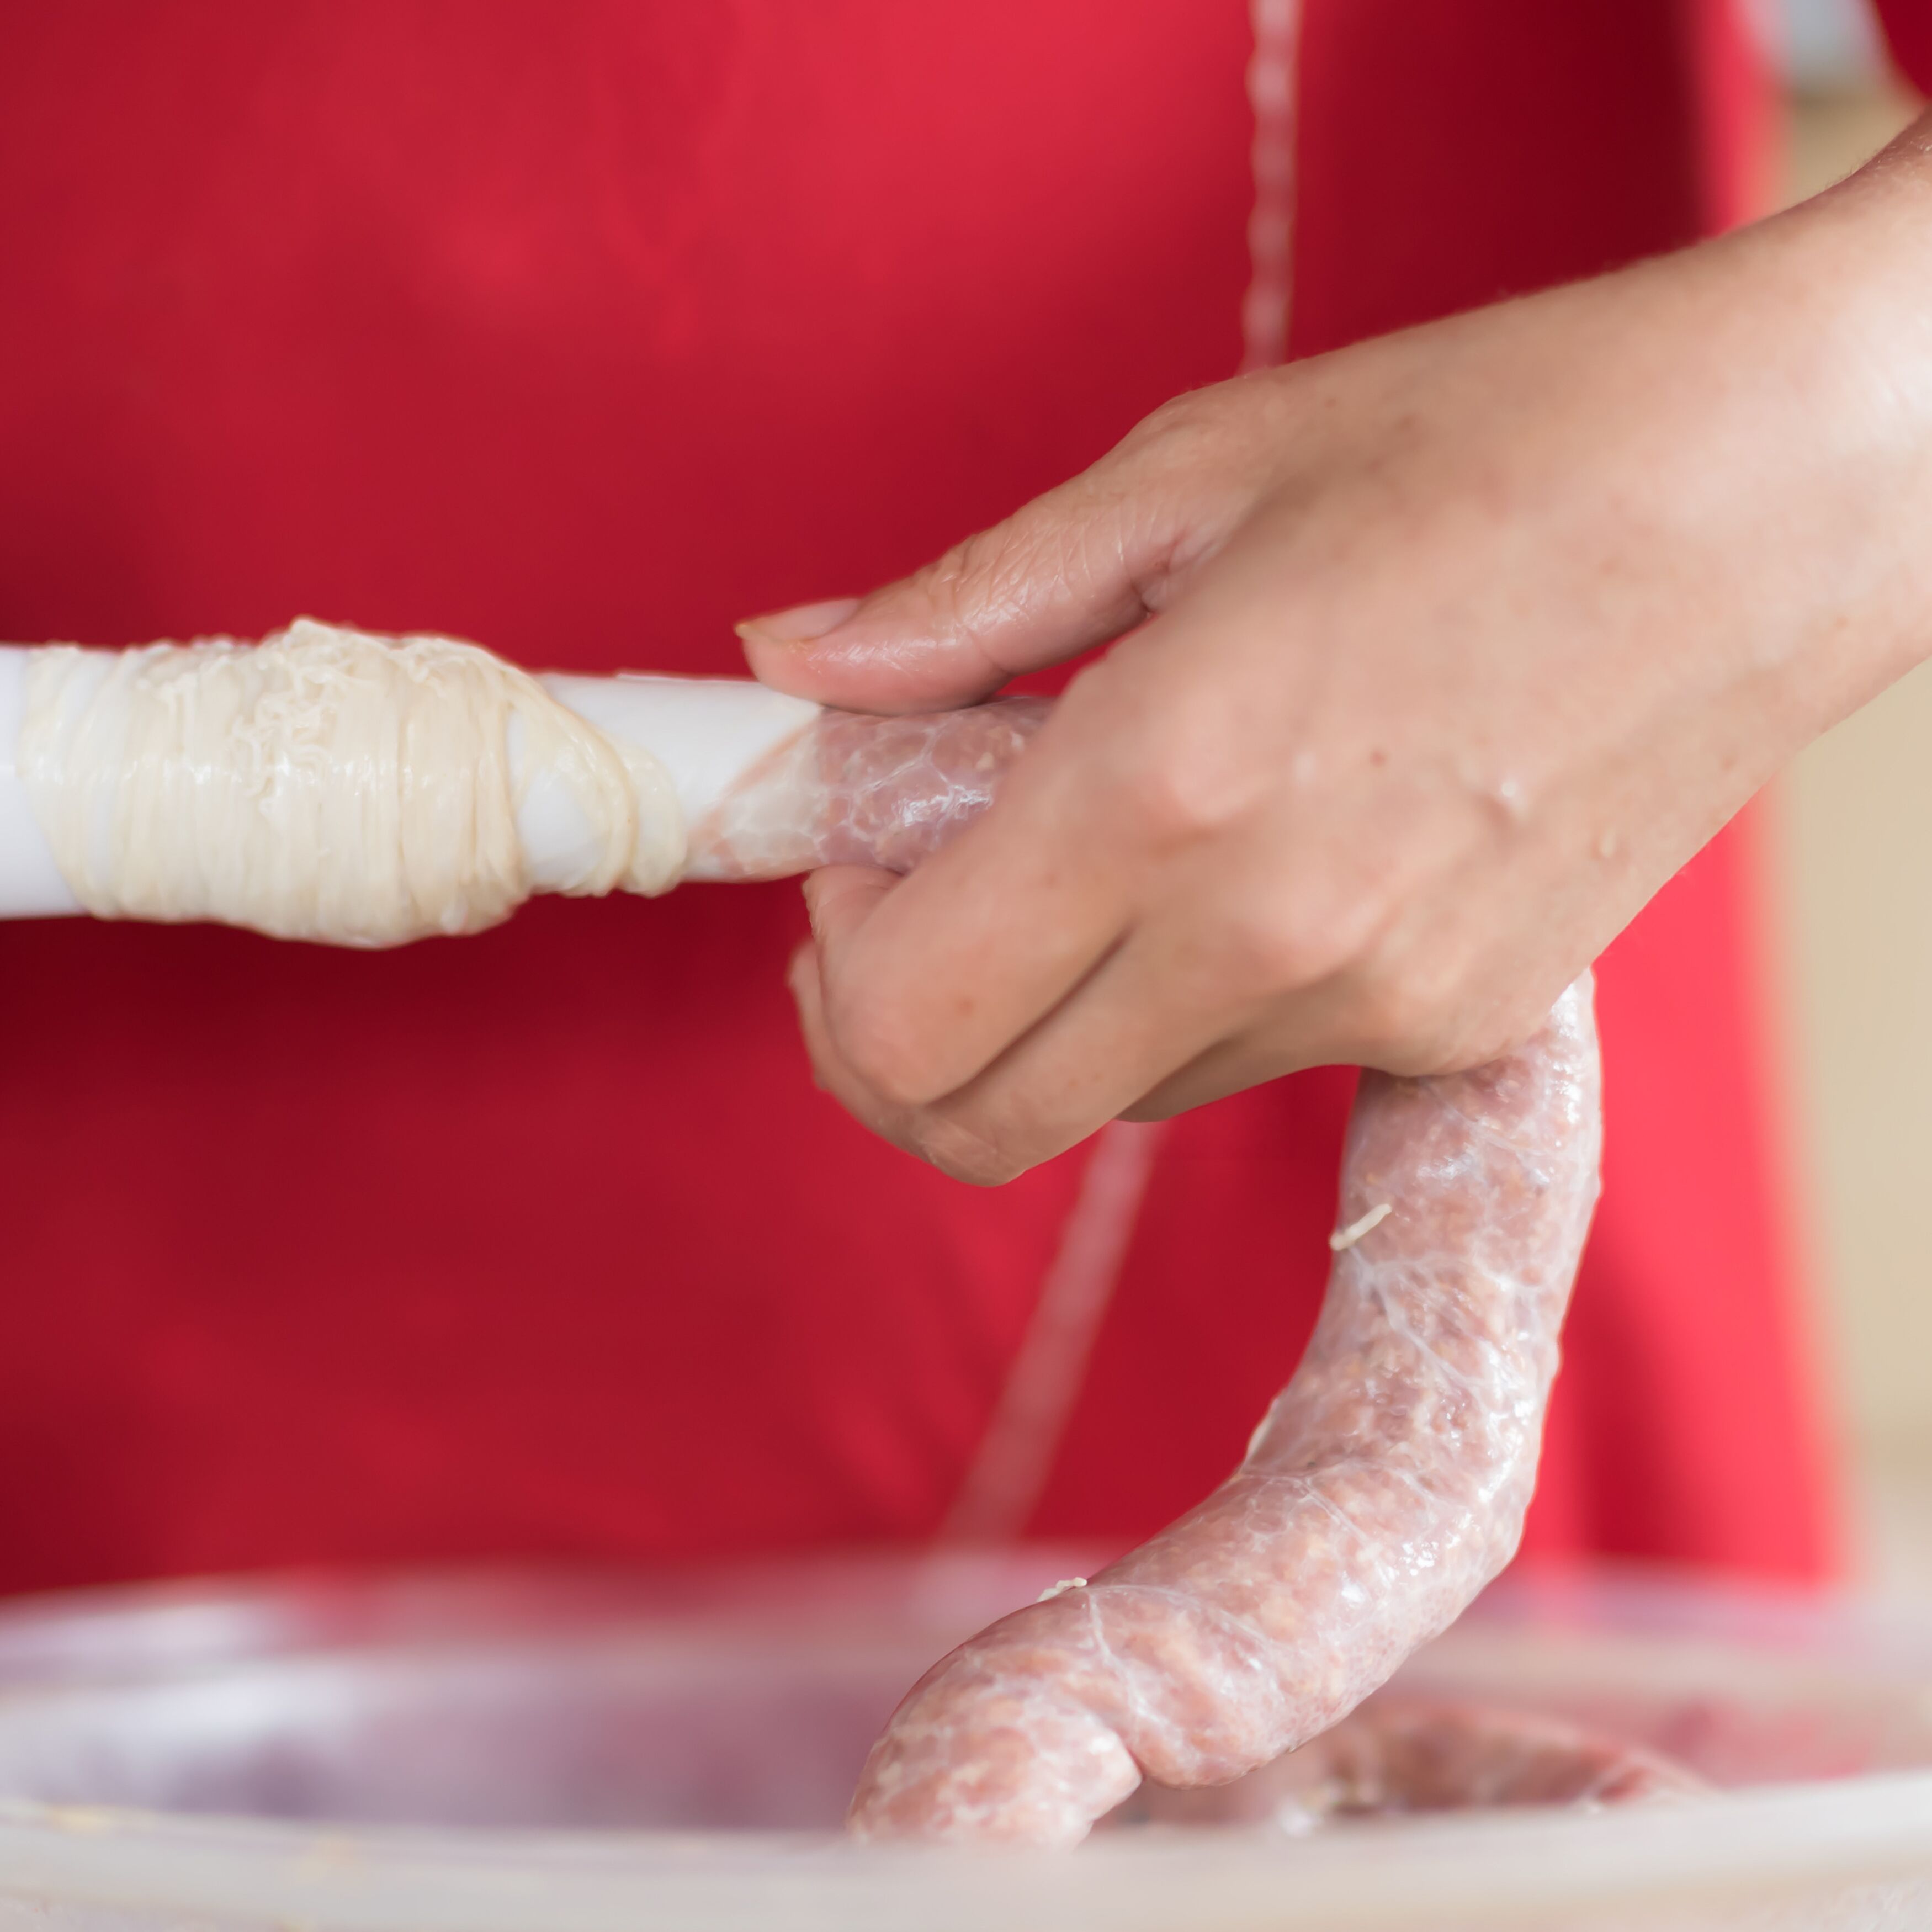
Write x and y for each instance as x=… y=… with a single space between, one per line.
x=334 y=786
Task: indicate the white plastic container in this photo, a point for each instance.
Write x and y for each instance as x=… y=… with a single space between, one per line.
x=559 y=1752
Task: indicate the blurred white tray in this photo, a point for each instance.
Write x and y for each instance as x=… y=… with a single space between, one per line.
x=549 y=1751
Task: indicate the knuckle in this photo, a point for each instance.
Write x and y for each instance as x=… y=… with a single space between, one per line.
x=1444 y=1008
x=1406 y=1018
x=1176 y=798
x=1182 y=761
x=1495 y=1034
x=1270 y=945
x=1181 y=419
x=1231 y=430
x=963 y=1155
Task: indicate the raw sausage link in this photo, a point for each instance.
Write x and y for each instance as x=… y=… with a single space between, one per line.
x=1385 y=1487
x=853 y=790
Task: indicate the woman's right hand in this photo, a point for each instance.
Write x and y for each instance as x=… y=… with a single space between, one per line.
x=1435 y=657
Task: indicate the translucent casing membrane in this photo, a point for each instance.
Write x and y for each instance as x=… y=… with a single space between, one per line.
x=1385 y=1487
x=854 y=791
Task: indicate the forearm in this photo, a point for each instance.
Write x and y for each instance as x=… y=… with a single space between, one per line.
x=1826 y=309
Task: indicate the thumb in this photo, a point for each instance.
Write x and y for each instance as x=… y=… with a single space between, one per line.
x=1073 y=568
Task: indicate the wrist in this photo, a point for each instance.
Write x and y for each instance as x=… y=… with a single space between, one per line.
x=1776 y=386
x=1840 y=307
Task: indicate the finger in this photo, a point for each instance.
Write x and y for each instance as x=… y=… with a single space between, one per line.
x=839 y=900
x=1333 y=1021
x=1158 y=1002
x=925 y=982
x=828 y=1068
x=1349 y=1018
x=946 y=1147
x=1231 y=1067
x=1073 y=569
x=1117 y=1035
x=1250 y=1058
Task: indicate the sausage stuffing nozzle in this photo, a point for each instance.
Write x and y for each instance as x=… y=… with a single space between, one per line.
x=332 y=785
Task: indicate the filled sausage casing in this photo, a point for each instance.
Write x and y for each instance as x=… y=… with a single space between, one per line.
x=1386 y=1485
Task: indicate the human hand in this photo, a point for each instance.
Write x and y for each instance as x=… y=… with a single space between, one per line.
x=1435 y=657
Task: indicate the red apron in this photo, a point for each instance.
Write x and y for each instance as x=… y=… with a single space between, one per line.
x=583 y=330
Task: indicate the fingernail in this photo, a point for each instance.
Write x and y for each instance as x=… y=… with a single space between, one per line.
x=802 y=624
